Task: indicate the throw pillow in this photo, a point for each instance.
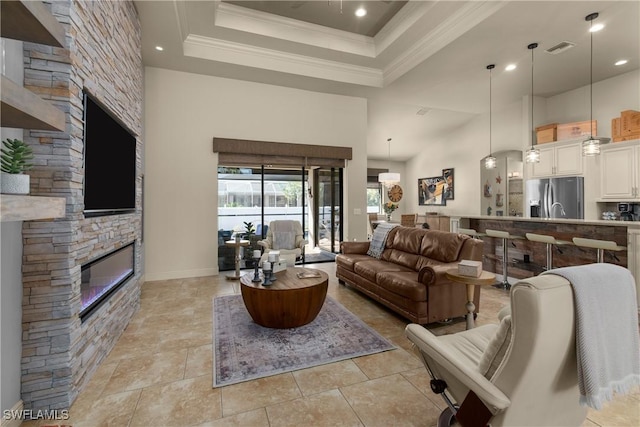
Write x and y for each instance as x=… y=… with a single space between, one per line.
x=496 y=350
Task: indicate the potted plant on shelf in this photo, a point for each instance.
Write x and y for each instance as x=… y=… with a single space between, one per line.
x=15 y=160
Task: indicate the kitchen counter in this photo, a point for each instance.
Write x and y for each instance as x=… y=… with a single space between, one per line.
x=528 y=258
x=629 y=224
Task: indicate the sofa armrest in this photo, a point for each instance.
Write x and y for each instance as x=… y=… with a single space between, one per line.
x=354 y=247
x=434 y=275
x=427 y=275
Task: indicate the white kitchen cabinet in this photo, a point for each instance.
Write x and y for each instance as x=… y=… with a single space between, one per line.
x=558 y=159
x=619 y=175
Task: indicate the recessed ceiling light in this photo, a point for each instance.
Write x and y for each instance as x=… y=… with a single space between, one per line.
x=621 y=62
x=360 y=12
x=596 y=27
x=510 y=67
x=159 y=48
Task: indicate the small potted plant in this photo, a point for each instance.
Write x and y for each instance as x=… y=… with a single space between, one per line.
x=15 y=160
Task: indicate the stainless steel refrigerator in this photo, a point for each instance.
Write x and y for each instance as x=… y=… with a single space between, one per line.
x=556 y=197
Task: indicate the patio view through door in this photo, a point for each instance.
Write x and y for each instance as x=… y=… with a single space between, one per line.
x=327 y=209
x=250 y=197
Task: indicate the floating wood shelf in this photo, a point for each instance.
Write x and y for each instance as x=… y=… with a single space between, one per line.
x=25 y=208
x=30 y=21
x=22 y=108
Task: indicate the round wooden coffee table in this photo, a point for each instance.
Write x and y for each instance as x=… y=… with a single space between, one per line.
x=289 y=302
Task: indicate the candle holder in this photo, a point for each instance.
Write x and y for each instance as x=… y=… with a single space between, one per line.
x=268 y=274
x=256 y=272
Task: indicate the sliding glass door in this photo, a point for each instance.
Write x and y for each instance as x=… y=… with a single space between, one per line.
x=327 y=207
x=249 y=198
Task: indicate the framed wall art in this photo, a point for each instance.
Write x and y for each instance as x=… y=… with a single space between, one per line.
x=447 y=174
x=431 y=191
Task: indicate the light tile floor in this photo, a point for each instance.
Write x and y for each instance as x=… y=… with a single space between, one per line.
x=160 y=372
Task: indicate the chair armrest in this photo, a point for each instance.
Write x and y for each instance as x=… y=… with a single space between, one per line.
x=264 y=244
x=354 y=247
x=439 y=351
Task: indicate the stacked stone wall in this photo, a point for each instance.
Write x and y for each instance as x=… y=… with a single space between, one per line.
x=103 y=56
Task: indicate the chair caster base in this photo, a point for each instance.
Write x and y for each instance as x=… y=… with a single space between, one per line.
x=505 y=286
x=446 y=418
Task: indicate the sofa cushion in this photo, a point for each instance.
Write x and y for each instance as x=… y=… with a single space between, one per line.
x=405 y=259
x=442 y=246
x=349 y=260
x=370 y=269
x=403 y=283
x=406 y=239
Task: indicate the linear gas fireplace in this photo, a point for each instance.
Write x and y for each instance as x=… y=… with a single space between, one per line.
x=103 y=276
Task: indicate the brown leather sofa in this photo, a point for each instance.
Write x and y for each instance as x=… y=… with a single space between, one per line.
x=409 y=277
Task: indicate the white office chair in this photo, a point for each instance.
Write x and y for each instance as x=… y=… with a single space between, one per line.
x=524 y=371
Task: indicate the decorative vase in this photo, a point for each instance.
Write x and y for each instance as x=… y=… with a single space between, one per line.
x=14 y=183
x=388 y=217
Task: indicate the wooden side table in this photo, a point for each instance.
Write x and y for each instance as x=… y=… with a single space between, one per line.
x=237 y=245
x=486 y=278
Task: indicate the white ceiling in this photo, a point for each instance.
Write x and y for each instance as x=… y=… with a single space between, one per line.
x=430 y=54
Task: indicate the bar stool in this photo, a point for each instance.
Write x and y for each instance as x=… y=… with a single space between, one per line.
x=471 y=232
x=550 y=242
x=600 y=245
x=505 y=236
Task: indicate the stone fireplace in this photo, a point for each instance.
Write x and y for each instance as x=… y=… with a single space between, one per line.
x=62 y=345
x=104 y=276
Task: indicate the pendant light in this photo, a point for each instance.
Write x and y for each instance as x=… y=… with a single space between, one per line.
x=591 y=145
x=490 y=160
x=533 y=154
x=389 y=179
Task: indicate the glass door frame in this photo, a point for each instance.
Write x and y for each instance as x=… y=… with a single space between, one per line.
x=336 y=202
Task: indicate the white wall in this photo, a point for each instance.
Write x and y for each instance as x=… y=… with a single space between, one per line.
x=11 y=313
x=11 y=260
x=403 y=206
x=183 y=112
x=462 y=150
x=610 y=97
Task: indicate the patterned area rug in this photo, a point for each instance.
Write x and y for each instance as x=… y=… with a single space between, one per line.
x=245 y=351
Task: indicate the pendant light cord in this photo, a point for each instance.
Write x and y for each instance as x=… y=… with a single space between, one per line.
x=531 y=47
x=591 y=80
x=532 y=127
x=490 y=150
x=490 y=68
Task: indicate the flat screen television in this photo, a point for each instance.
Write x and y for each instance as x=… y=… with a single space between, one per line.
x=109 y=162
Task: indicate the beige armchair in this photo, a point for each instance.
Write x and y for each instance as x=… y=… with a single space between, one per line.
x=523 y=371
x=285 y=236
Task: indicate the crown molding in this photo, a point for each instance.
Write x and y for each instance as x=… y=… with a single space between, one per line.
x=401 y=23
x=279 y=27
x=269 y=59
x=180 y=11
x=467 y=17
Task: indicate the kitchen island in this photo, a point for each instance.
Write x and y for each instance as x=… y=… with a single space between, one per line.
x=527 y=258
